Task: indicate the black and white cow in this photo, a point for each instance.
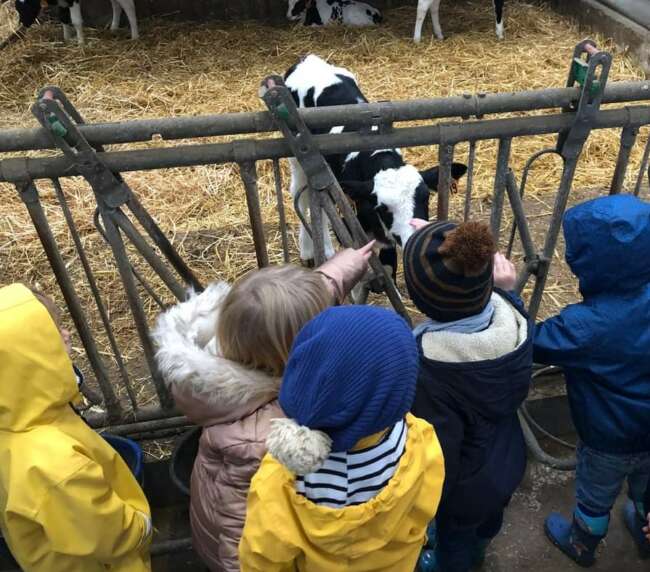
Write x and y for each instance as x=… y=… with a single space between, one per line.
x=69 y=13
x=325 y=12
x=433 y=6
x=387 y=192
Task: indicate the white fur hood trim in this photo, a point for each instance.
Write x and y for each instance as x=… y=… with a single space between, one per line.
x=505 y=334
x=301 y=449
x=188 y=356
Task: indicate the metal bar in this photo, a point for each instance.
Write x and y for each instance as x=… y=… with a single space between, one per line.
x=145 y=426
x=496 y=214
x=353 y=116
x=552 y=235
x=520 y=216
x=445 y=158
x=163 y=243
x=19 y=169
x=277 y=177
x=135 y=272
x=642 y=169
x=470 y=180
x=318 y=226
x=148 y=254
x=29 y=195
x=95 y=292
x=628 y=138
x=248 y=173
x=137 y=311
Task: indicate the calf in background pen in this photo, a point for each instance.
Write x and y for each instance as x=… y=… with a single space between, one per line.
x=69 y=13
x=433 y=6
x=386 y=191
x=325 y=12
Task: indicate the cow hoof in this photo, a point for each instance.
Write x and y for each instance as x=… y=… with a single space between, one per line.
x=307 y=263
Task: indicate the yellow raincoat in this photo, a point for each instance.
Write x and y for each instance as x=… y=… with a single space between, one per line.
x=285 y=531
x=68 y=502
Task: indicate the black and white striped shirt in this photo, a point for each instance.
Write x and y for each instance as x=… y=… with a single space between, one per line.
x=355 y=477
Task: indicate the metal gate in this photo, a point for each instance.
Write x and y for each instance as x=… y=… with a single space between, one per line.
x=127 y=227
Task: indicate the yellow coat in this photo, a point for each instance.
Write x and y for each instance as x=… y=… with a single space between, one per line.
x=68 y=502
x=285 y=531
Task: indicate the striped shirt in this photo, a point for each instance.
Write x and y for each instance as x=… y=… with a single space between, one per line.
x=355 y=477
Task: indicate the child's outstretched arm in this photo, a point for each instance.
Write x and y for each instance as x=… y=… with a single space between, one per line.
x=345 y=269
x=83 y=516
x=564 y=339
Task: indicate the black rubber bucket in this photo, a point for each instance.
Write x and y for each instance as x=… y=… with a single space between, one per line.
x=180 y=468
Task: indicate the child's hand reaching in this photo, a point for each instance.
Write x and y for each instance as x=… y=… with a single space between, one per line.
x=505 y=275
x=418 y=223
x=346 y=268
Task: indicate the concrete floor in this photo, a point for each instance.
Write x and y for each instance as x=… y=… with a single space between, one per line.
x=523 y=545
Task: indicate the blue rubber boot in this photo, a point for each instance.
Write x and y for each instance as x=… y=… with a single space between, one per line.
x=579 y=539
x=635 y=523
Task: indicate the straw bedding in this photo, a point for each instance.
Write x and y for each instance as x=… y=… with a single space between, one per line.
x=182 y=68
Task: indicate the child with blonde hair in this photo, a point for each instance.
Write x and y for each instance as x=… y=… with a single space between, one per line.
x=223 y=353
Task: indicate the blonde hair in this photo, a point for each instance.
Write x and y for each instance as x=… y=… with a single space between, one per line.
x=263 y=313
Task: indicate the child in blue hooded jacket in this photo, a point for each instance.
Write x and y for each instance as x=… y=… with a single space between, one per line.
x=603 y=344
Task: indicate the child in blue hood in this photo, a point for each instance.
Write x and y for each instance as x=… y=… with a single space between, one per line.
x=475 y=370
x=603 y=344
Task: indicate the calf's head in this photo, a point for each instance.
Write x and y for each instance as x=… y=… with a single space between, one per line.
x=297 y=9
x=387 y=203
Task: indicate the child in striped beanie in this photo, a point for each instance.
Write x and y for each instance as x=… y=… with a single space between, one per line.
x=352 y=479
x=475 y=368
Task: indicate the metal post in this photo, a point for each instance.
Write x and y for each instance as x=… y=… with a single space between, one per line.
x=96 y=294
x=318 y=226
x=642 y=169
x=520 y=216
x=248 y=173
x=163 y=243
x=470 y=180
x=148 y=254
x=628 y=137
x=139 y=316
x=29 y=195
x=496 y=215
x=445 y=158
x=277 y=177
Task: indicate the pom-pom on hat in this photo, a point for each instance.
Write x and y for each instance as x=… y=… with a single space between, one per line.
x=448 y=269
x=351 y=373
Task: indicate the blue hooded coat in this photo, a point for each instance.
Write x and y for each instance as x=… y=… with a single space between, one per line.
x=603 y=342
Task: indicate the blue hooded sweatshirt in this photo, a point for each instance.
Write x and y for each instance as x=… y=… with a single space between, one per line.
x=603 y=342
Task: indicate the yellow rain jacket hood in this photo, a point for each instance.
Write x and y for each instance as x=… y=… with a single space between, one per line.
x=68 y=502
x=285 y=531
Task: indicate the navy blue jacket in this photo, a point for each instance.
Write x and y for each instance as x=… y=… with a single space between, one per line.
x=603 y=343
x=473 y=408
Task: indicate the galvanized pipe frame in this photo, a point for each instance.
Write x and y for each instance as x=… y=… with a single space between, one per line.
x=17 y=170
x=354 y=116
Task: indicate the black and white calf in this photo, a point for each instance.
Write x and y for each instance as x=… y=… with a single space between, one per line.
x=69 y=13
x=433 y=6
x=386 y=191
x=326 y=12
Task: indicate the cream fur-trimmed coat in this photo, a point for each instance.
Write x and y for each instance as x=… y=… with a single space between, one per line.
x=233 y=404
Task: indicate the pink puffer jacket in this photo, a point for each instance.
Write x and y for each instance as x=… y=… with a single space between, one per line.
x=233 y=404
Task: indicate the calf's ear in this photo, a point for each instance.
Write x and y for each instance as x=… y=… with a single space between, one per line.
x=357 y=190
x=430 y=176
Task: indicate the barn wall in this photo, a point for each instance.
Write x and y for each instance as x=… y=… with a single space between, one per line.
x=97 y=12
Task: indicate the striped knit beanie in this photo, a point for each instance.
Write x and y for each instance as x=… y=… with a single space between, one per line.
x=448 y=269
x=351 y=373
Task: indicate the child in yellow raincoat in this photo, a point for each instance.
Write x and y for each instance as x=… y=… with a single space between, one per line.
x=352 y=479
x=68 y=502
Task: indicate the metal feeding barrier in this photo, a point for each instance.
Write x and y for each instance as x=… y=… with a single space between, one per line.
x=120 y=218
